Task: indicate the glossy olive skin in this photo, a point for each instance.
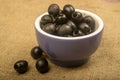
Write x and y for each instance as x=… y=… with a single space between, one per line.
x=46 y=19
x=53 y=10
x=85 y=28
x=36 y=52
x=77 y=17
x=68 y=10
x=49 y=28
x=77 y=33
x=65 y=30
x=21 y=66
x=71 y=23
x=42 y=65
x=61 y=19
x=90 y=21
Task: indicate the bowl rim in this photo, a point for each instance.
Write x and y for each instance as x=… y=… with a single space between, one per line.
x=97 y=31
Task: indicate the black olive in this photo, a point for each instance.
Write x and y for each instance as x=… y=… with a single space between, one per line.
x=21 y=66
x=42 y=65
x=36 y=52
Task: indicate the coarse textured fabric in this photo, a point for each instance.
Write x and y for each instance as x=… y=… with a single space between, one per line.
x=17 y=38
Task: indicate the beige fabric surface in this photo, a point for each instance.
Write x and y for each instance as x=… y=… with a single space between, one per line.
x=17 y=37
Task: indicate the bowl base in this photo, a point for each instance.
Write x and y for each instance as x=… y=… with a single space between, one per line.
x=70 y=63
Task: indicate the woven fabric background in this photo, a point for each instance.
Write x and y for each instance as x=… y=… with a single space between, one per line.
x=17 y=38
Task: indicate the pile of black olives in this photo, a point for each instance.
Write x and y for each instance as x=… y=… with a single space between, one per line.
x=66 y=22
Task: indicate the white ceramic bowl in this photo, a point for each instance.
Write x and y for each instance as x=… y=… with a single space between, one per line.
x=70 y=51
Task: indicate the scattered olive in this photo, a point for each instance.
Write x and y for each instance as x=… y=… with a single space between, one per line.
x=21 y=66
x=36 y=52
x=42 y=65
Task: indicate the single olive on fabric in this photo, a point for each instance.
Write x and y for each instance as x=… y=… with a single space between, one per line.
x=42 y=65
x=36 y=52
x=21 y=66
